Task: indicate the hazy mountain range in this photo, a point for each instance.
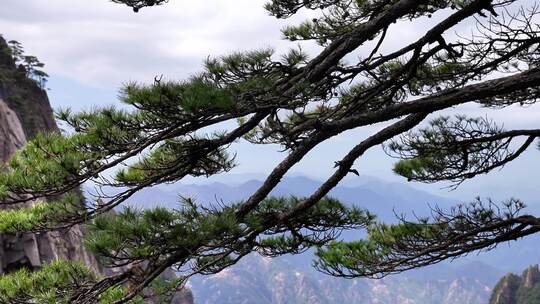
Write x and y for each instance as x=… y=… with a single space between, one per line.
x=290 y=279
x=382 y=198
x=279 y=281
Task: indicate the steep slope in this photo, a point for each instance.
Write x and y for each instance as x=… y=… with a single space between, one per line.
x=22 y=95
x=514 y=289
x=25 y=111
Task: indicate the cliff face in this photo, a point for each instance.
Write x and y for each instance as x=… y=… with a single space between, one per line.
x=23 y=96
x=514 y=289
x=25 y=111
x=12 y=134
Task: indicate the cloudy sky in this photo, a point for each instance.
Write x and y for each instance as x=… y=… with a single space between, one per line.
x=92 y=47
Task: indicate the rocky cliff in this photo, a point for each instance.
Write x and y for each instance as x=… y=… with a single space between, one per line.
x=514 y=289
x=25 y=111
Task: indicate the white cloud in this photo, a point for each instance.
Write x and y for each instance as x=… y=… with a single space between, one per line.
x=98 y=43
x=105 y=44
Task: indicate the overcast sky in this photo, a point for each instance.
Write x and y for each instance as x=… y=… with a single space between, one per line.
x=91 y=47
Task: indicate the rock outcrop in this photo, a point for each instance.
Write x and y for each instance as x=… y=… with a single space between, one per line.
x=12 y=134
x=514 y=289
x=25 y=111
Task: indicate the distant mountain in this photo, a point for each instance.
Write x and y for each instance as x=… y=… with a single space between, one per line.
x=514 y=289
x=291 y=279
x=382 y=198
x=259 y=280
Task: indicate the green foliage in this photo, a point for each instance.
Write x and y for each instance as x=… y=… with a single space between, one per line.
x=112 y=295
x=154 y=234
x=174 y=157
x=31 y=65
x=411 y=167
x=53 y=283
x=393 y=248
x=58 y=282
x=50 y=160
x=381 y=241
x=39 y=216
x=252 y=72
x=195 y=95
x=451 y=149
x=528 y=295
x=295 y=57
x=175 y=129
x=341 y=17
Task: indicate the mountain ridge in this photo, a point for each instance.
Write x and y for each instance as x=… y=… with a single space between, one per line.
x=518 y=289
x=374 y=197
x=291 y=279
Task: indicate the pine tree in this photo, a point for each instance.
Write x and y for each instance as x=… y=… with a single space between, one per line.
x=298 y=102
x=31 y=65
x=138 y=4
